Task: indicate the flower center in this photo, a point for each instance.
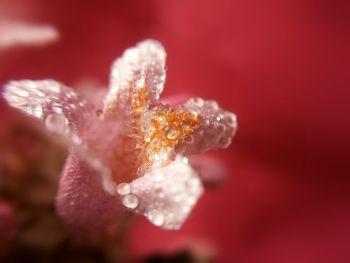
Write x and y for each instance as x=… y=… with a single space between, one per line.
x=152 y=134
x=164 y=129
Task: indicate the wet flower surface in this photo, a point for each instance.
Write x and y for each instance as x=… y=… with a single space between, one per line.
x=134 y=148
x=282 y=66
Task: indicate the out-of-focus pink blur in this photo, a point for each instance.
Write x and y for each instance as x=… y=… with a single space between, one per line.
x=281 y=66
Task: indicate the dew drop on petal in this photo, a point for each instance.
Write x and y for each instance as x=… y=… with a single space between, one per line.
x=123 y=188
x=156 y=217
x=130 y=201
x=172 y=134
x=189 y=138
x=198 y=101
x=231 y=119
x=76 y=139
x=147 y=138
x=37 y=111
x=95 y=163
x=221 y=128
x=56 y=124
x=214 y=105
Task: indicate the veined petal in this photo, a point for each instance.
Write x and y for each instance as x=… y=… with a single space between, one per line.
x=137 y=78
x=63 y=111
x=167 y=195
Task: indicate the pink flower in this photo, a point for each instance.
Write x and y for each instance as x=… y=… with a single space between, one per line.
x=133 y=149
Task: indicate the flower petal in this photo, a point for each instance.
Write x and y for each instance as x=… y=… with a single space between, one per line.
x=62 y=110
x=137 y=78
x=211 y=169
x=216 y=128
x=81 y=199
x=167 y=194
x=193 y=127
x=15 y=33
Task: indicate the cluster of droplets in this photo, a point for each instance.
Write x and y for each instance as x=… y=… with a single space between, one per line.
x=48 y=100
x=215 y=131
x=143 y=65
x=129 y=200
x=136 y=145
x=63 y=112
x=165 y=128
x=165 y=196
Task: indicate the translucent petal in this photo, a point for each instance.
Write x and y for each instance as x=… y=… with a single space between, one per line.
x=216 y=128
x=137 y=78
x=63 y=111
x=211 y=169
x=167 y=195
x=193 y=127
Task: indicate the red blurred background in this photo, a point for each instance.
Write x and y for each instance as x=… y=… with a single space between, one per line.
x=281 y=66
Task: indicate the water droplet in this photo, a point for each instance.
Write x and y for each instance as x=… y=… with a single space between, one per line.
x=20 y=92
x=95 y=163
x=156 y=217
x=37 y=111
x=219 y=117
x=189 y=138
x=214 y=105
x=130 y=201
x=147 y=138
x=224 y=141
x=172 y=134
x=221 y=128
x=56 y=108
x=56 y=124
x=198 y=101
x=231 y=119
x=123 y=188
x=82 y=103
x=161 y=119
x=54 y=87
x=186 y=127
